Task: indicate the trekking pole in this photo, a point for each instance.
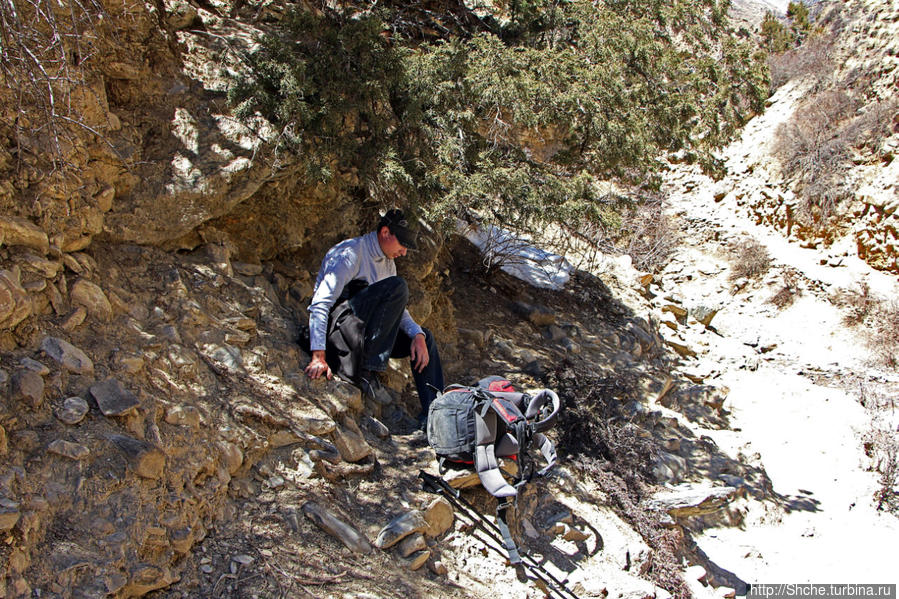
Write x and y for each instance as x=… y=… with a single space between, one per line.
x=478 y=520
x=436 y=484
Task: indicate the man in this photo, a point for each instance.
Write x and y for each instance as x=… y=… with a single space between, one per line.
x=358 y=317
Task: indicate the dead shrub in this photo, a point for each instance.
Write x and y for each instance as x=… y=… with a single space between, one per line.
x=876 y=122
x=881 y=445
x=603 y=443
x=788 y=292
x=858 y=303
x=649 y=235
x=45 y=50
x=812 y=58
x=749 y=259
x=884 y=340
x=818 y=144
x=815 y=146
x=879 y=316
x=636 y=224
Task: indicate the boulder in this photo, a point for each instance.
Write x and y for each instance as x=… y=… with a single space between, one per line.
x=93 y=299
x=349 y=441
x=439 y=516
x=401 y=527
x=412 y=544
x=15 y=305
x=73 y=410
x=144 y=459
x=27 y=386
x=232 y=456
x=75 y=319
x=22 y=232
x=704 y=314
x=669 y=467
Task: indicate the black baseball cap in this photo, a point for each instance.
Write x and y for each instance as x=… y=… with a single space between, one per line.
x=396 y=222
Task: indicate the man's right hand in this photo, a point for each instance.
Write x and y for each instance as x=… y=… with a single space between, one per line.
x=318 y=366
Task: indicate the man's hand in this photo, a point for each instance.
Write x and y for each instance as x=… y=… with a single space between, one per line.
x=318 y=367
x=419 y=352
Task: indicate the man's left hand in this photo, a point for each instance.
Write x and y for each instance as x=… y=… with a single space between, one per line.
x=419 y=353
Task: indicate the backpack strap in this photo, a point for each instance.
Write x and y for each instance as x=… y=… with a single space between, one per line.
x=548 y=450
x=509 y=543
x=543 y=410
x=485 y=462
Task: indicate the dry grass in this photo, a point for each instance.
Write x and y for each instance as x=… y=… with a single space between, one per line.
x=857 y=302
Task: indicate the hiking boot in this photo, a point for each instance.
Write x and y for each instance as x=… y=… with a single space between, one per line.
x=371 y=387
x=417 y=438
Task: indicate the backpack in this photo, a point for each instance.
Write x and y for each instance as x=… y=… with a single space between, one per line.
x=474 y=426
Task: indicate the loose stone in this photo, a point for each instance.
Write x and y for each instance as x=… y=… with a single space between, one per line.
x=73 y=410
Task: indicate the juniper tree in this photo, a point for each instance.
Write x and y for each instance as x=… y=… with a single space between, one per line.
x=514 y=115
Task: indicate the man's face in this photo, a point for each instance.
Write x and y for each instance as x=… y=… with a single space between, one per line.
x=390 y=245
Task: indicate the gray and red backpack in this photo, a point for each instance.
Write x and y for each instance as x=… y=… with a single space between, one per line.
x=475 y=426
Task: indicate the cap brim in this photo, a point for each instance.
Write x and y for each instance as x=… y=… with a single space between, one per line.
x=408 y=243
x=405 y=237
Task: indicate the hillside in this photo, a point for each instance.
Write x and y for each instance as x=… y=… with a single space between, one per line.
x=158 y=436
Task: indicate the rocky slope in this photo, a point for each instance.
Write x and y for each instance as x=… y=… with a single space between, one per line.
x=157 y=434
x=856 y=61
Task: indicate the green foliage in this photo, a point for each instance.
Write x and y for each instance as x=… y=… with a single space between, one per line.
x=515 y=118
x=780 y=37
x=798 y=13
x=777 y=36
x=330 y=87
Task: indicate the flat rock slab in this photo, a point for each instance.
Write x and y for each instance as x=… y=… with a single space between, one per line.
x=401 y=527
x=69 y=357
x=9 y=513
x=334 y=526
x=419 y=559
x=68 y=449
x=113 y=399
x=685 y=501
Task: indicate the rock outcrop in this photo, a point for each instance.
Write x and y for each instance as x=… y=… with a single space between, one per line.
x=152 y=398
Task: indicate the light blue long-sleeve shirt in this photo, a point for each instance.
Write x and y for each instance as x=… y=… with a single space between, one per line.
x=356 y=258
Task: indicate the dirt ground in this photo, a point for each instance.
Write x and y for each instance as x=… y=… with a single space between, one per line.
x=267 y=548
